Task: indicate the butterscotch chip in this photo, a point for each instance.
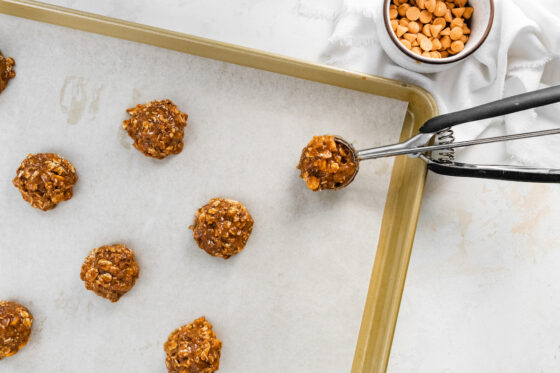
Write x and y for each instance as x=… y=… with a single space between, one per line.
x=410 y=37
x=45 y=179
x=15 y=328
x=425 y=16
x=6 y=71
x=426 y=30
x=401 y=30
x=457 y=46
x=326 y=163
x=457 y=22
x=110 y=271
x=439 y=21
x=222 y=227
x=413 y=13
x=458 y=12
x=193 y=348
x=456 y=33
x=435 y=30
x=426 y=44
x=448 y=16
x=440 y=9
x=157 y=128
x=431 y=5
x=445 y=42
x=406 y=43
x=413 y=27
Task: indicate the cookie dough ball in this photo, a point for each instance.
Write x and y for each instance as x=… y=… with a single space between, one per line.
x=222 y=227
x=326 y=164
x=45 y=180
x=193 y=348
x=157 y=128
x=110 y=271
x=6 y=71
x=15 y=327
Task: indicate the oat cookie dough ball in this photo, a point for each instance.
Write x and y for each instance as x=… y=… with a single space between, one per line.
x=326 y=164
x=15 y=327
x=193 y=348
x=6 y=71
x=222 y=227
x=110 y=271
x=45 y=179
x=157 y=128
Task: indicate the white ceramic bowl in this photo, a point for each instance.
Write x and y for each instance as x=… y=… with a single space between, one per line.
x=480 y=25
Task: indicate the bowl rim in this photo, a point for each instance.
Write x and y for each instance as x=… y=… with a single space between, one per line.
x=434 y=61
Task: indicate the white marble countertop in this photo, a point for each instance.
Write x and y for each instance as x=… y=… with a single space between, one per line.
x=482 y=293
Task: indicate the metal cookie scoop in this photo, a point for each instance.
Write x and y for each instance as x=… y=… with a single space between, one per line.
x=439 y=129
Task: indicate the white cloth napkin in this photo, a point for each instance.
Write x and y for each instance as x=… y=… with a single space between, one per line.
x=522 y=53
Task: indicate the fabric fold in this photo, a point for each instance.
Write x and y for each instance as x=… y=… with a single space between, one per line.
x=521 y=54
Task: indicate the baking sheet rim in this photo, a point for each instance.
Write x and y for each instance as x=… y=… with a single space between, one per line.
x=406 y=187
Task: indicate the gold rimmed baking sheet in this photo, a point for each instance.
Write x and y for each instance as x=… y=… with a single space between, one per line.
x=82 y=83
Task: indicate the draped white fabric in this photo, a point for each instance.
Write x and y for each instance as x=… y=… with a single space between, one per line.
x=521 y=54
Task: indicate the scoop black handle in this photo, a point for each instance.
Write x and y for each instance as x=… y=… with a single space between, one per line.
x=532 y=175
x=498 y=108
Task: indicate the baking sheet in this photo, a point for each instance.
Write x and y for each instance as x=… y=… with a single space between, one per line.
x=291 y=301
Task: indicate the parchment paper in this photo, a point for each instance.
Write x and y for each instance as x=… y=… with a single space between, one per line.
x=251 y=23
x=290 y=302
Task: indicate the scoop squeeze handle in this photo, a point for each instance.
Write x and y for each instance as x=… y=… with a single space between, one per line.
x=533 y=175
x=498 y=108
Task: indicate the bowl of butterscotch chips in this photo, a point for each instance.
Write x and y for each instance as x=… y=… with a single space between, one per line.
x=432 y=35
